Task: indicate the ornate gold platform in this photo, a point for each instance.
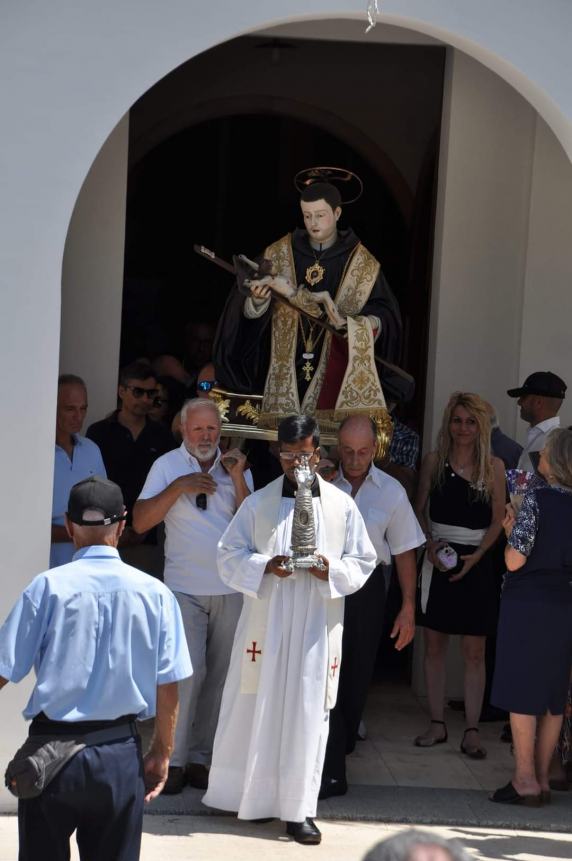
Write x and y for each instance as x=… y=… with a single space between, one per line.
x=241 y=418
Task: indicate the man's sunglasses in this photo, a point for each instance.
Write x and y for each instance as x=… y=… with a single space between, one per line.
x=291 y=456
x=139 y=392
x=206 y=385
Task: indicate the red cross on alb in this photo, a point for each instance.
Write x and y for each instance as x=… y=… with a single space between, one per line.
x=334 y=666
x=253 y=651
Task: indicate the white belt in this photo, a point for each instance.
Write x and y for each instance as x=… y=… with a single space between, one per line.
x=446 y=532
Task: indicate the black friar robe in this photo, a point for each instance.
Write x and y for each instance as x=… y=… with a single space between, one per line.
x=243 y=348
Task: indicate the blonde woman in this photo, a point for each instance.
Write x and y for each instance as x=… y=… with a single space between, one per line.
x=460 y=502
x=534 y=646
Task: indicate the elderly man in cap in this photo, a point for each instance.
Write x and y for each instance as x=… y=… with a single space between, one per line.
x=539 y=398
x=108 y=647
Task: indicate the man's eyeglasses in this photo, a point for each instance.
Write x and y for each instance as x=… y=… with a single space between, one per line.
x=206 y=385
x=140 y=392
x=291 y=456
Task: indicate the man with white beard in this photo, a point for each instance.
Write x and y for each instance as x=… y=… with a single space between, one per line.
x=283 y=675
x=195 y=490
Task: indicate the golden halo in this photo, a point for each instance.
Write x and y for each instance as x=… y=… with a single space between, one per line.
x=348 y=183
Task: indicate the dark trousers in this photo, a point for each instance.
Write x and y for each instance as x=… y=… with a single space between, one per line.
x=100 y=792
x=363 y=621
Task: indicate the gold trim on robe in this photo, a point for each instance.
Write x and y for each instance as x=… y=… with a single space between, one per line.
x=281 y=388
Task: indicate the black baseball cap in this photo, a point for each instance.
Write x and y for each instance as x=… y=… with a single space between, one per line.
x=543 y=383
x=96 y=494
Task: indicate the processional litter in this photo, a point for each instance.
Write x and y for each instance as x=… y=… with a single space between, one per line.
x=313 y=350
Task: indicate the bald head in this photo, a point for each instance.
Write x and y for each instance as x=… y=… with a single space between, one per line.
x=356 y=445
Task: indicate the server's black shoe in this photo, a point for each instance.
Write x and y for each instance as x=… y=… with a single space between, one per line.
x=304 y=832
x=175 y=781
x=331 y=787
x=197 y=775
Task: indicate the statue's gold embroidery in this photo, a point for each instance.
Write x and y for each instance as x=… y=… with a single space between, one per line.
x=249 y=411
x=281 y=388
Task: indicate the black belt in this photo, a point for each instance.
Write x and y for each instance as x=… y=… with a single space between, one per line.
x=117 y=728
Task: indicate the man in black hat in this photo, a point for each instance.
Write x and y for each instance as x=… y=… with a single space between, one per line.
x=539 y=398
x=108 y=647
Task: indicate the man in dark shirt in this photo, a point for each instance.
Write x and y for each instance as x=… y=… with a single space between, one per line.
x=502 y=445
x=130 y=442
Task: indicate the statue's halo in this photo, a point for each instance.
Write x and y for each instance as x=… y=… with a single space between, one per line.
x=348 y=183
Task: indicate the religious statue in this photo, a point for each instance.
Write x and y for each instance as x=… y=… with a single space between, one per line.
x=303 y=527
x=313 y=348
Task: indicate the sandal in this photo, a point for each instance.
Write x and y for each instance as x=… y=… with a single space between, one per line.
x=422 y=741
x=508 y=795
x=473 y=752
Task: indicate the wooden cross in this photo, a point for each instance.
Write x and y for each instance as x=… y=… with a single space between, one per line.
x=254 y=652
x=334 y=666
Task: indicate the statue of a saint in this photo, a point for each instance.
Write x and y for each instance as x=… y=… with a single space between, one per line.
x=269 y=348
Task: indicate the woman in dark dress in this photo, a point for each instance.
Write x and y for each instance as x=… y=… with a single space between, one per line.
x=534 y=645
x=460 y=502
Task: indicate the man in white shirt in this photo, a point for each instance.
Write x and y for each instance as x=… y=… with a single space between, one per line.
x=394 y=531
x=539 y=398
x=196 y=492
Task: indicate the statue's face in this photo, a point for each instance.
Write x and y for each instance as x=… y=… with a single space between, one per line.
x=320 y=219
x=292 y=454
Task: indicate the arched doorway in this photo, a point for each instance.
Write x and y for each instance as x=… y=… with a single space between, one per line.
x=214 y=163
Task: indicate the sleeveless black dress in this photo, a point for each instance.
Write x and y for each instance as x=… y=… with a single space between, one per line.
x=468 y=606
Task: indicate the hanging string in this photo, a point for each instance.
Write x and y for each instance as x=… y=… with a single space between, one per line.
x=372 y=13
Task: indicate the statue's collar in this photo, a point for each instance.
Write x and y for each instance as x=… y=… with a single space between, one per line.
x=289 y=488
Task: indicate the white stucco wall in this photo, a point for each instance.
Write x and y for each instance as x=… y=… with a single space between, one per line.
x=502 y=268
x=92 y=276
x=69 y=73
x=546 y=341
x=480 y=243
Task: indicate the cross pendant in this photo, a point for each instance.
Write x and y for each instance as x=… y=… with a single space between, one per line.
x=308 y=369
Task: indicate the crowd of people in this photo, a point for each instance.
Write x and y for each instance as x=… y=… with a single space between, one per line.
x=271 y=710
x=172 y=594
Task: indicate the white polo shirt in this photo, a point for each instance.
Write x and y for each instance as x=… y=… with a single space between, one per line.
x=389 y=518
x=535 y=440
x=192 y=535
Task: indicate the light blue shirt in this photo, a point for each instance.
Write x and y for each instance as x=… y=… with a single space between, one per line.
x=86 y=460
x=101 y=636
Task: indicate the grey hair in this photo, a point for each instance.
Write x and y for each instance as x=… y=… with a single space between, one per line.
x=71 y=380
x=558 y=453
x=401 y=846
x=94 y=534
x=195 y=403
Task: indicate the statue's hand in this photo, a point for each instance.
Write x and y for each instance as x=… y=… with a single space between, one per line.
x=304 y=476
x=260 y=290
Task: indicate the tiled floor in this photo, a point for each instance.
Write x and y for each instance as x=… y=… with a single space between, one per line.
x=388 y=757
